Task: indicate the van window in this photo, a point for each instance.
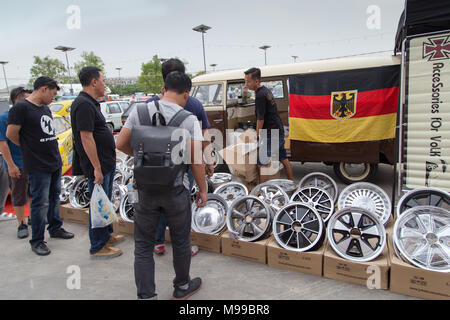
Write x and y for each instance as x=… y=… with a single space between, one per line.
x=237 y=91
x=208 y=95
x=276 y=87
x=113 y=108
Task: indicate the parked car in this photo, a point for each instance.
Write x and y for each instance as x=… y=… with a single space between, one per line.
x=112 y=111
x=63 y=132
x=62 y=108
x=127 y=112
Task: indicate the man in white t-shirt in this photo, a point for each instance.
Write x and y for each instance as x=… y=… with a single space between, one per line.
x=175 y=202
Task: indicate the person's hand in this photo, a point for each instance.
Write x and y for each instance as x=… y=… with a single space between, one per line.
x=209 y=168
x=14 y=171
x=98 y=176
x=200 y=199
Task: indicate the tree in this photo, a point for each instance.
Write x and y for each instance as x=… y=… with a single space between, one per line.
x=49 y=67
x=89 y=59
x=126 y=90
x=151 y=76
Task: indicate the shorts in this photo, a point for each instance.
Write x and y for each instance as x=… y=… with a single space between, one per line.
x=19 y=189
x=265 y=149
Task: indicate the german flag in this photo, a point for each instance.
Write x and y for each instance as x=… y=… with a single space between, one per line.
x=344 y=106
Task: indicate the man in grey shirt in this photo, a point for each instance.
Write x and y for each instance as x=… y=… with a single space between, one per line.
x=175 y=203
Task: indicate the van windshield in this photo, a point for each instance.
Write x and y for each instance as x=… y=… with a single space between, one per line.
x=208 y=95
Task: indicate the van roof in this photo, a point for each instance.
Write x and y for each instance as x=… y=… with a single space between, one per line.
x=303 y=67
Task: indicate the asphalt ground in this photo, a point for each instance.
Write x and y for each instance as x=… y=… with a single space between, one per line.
x=26 y=276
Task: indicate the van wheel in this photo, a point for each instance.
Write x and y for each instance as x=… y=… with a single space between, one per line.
x=110 y=127
x=355 y=172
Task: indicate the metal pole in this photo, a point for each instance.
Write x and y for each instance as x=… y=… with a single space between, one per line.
x=204 y=58
x=265 y=57
x=6 y=81
x=68 y=69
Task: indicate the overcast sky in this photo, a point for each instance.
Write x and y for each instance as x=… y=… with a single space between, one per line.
x=127 y=33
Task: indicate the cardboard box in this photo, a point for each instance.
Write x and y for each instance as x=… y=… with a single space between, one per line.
x=123 y=227
x=242 y=159
x=412 y=281
x=248 y=136
x=167 y=235
x=305 y=262
x=71 y=214
x=207 y=242
x=362 y=273
x=251 y=251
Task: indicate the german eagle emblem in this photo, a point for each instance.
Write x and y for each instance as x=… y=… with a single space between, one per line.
x=343 y=104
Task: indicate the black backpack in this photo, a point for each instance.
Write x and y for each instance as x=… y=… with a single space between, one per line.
x=152 y=147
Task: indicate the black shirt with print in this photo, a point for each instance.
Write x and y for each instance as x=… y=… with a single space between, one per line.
x=38 y=140
x=267 y=110
x=85 y=115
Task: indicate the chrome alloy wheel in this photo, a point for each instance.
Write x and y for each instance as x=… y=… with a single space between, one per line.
x=298 y=227
x=272 y=194
x=126 y=209
x=320 y=180
x=356 y=234
x=231 y=191
x=249 y=218
x=212 y=218
x=220 y=178
x=422 y=237
x=287 y=185
x=66 y=185
x=423 y=197
x=369 y=197
x=79 y=196
x=118 y=192
x=317 y=198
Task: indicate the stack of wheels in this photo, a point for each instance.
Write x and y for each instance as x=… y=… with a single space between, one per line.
x=79 y=196
x=219 y=179
x=356 y=232
x=231 y=192
x=195 y=189
x=272 y=194
x=421 y=235
x=288 y=186
x=212 y=218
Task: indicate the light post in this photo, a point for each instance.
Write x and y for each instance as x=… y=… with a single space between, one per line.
x=118 y=69
x=4 y=74
x=295 y=58
x=265 y=50
x=202 y=28
x=214 y=65
x=65 y=49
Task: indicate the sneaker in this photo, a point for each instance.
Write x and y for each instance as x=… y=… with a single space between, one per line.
x=22 y=231
x=41 y=248
x=194 y=250
x=184 y=292
x=107 y=253
x=62 y=234
x=159 y=249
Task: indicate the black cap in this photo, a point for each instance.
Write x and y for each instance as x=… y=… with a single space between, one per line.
x=45 y=81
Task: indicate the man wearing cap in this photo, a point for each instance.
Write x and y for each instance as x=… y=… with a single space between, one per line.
x=30 y=126
x=12 y=156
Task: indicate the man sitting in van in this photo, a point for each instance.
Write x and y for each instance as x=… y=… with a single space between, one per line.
x=268 y=119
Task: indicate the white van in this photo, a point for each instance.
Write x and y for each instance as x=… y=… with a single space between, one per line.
x=112 y=111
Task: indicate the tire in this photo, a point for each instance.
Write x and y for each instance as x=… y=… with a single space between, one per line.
x=110 y=127
x=366 y=174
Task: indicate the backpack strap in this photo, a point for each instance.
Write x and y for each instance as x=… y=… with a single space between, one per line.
x=178 y=118
x=162 y=120
x=143 y=114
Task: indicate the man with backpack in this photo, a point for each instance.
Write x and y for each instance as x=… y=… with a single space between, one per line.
x=162 y=181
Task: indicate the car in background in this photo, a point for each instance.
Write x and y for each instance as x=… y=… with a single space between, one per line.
x=112 y=111
x=61 y=108
x=127 y=112
x=63 y=131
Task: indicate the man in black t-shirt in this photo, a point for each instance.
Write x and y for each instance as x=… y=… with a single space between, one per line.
x=95 y=150
x=267 y=119
x=30 y=126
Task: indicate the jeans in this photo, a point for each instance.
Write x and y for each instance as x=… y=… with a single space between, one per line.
x=176 y=206
x=161 y=231
x=4 y=184
x=45 y=188
x=100 y=236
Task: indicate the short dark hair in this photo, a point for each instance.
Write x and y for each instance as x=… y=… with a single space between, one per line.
x=87 y=74
x=172 y=65
x=177 y=81
x=45 y=82
x=18 y=93
x=254 y=72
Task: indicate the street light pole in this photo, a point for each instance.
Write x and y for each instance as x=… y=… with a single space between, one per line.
x=265 y=50
x=4 y=74
x=118 y=69
x=214 y=65
x=65 y=49
x=202 y=28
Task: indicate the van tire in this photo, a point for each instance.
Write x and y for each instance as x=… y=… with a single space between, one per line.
x=367 y=174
